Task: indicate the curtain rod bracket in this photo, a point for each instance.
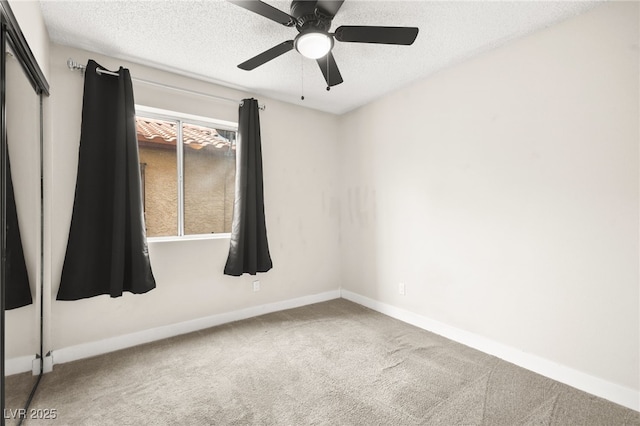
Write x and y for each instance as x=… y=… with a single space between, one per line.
x=74 y=66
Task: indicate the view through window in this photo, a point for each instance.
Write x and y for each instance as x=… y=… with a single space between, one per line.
x=188 y=176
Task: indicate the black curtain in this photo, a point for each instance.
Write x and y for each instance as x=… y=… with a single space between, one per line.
x=17 y=289
x=107 y=247
x=249 y=250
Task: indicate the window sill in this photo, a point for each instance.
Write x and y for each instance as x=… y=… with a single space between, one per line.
x=220 y=236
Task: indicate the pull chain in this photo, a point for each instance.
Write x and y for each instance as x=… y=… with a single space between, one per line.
x=301 y=78
x=328 y=73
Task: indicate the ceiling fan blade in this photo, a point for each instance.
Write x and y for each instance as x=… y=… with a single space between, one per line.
x=267 y=55
x=384 y=35
x=329 y=7
x=265 y=10
x=330 y=70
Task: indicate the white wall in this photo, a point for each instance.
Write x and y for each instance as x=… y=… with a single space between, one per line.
x=504 y=193
x=301 y=191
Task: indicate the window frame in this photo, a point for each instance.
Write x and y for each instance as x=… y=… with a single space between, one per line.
x=179 y=118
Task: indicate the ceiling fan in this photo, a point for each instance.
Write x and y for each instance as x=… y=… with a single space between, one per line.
x=313 y=19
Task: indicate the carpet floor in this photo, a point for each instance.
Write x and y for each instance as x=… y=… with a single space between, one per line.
x=332 y=363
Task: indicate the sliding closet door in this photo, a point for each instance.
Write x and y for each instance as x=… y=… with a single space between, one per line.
x=23 y=235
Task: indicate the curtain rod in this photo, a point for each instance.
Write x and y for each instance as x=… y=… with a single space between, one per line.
x=74 y=66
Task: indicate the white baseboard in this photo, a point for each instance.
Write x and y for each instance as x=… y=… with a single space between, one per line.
x=18 y=365
x=624 y=396
x=86 y=350
x=47 y=365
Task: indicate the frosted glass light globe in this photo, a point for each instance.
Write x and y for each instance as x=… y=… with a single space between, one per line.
x=313 y=45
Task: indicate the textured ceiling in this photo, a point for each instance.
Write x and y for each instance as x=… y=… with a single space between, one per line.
x=208 y=39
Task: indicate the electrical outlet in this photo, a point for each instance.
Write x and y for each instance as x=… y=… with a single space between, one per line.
x=256 y=286
x=402 y=289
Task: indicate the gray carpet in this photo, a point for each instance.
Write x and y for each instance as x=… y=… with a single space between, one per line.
x=333 y=363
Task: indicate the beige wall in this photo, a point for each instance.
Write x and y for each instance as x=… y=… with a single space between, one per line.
x=504 y=193
x=301 y=209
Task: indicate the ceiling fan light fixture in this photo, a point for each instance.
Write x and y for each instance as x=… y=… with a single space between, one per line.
x=313 y=44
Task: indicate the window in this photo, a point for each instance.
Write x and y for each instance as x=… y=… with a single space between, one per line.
x=188 y=167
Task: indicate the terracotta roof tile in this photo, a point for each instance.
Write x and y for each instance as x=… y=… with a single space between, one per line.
x=165 y=133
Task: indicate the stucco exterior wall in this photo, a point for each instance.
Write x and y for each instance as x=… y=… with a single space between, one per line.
x=209 y=182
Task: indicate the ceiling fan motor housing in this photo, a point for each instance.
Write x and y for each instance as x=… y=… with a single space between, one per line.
x=309 y=17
